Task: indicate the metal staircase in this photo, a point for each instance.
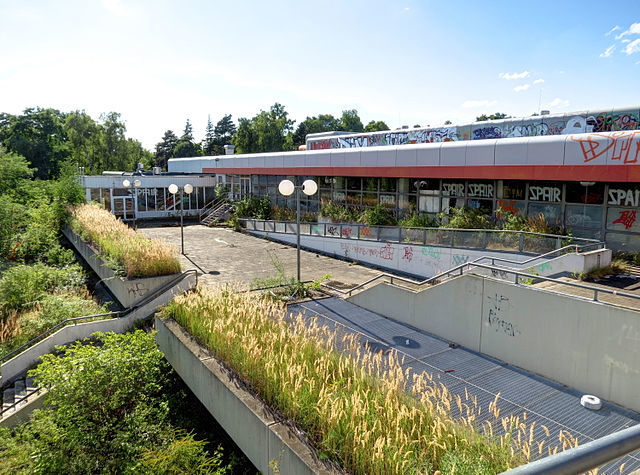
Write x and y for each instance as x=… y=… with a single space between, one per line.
x=216 y=211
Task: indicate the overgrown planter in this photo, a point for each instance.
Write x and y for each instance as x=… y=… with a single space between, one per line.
x=127 y=291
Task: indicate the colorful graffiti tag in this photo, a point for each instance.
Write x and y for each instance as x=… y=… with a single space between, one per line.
x=625 y=146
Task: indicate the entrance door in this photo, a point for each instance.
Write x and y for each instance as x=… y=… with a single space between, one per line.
x=245 y=187
x=123 y=207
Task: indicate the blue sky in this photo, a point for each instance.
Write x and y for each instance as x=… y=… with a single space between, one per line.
x=402 y=61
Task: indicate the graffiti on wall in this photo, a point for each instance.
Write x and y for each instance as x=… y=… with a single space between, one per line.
x=498 y=305
x=624 y=146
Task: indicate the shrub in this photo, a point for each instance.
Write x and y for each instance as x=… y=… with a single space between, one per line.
x=127 y=251
x=339 y=213
x=464 y=218
x=418 y=220
x=616 y=267
x=378 y=216
x=254 y=207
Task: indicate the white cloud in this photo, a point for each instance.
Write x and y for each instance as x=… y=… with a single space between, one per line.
x=475 y=104
x=116 y=7
x=615 y=28
x=557 y=102
x=538 y=81
x=633 y=47
x=626 y=41
x=634 y=29
x=608 y=52
x=509 y=76
x=524 y=87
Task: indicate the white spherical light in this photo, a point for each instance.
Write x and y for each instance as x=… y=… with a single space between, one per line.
x=137 y=183
x=286 y=187
x=173 y=189
x=126 y=183
x=188 y=188
x=309 y=187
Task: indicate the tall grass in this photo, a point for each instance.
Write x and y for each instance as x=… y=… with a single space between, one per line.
x=134 y=254
x=359 y=409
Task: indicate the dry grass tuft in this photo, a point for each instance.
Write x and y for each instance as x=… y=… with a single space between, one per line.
x=362 y=410
x=135 y=254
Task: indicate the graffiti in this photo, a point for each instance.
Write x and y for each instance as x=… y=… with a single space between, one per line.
x=320 y=145
x=365 y=232
x=453 y=189
x=432 y=252
x=626 y=146
x=624 y=197
x=544 y=193
x=627 y=218
x=544 y=267
x=505 y=206
x=499 y=274
x=408 y=253
x=333 y=230
x=346 y=232
x=459 y=259
x=487 y=133
x=137 y=290
x=443 y=134
x=525 y=130
x=481 y=190
x=373 y=252
x=498 y=303
x=626 y=122
x=386 y=252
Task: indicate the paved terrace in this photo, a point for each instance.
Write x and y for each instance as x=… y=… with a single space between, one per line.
x=224 y=256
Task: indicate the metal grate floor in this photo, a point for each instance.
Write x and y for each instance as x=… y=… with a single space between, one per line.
x=476 y=376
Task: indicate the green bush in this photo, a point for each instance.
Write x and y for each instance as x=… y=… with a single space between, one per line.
x=339 y=213
x=418 y=220
x=254 y=207
x=378 y=216
x=464 y=218
x=22 y=286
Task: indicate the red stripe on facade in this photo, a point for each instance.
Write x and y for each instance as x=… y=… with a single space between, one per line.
x=600 y=173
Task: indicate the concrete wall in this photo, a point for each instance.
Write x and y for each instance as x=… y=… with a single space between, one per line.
x=127 y=291
x=250 y=423
x=423 y=261
x=17 y=365
x=587 y=345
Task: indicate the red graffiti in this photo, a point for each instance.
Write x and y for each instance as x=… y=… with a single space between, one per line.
x=365 y=232
x=321 y=145
x=408 y=253
x=627 y=218
x=386 y=252
x=506 y=206
x=346 y=232
x=626 y=146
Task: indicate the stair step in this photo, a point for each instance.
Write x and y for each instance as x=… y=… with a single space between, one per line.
x=7 y=398
x=30 y=385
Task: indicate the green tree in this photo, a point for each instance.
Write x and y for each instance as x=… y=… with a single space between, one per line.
x=496 y=116
x=186 y=147
x=224 y=131
x=14 y=169
x=165 y=148
x=84 y=140
x=314 y=125
x=375 y=126
x=39 y=136
x=209 y=141
x=350 y=121
x=447 y=122
x=266 y=132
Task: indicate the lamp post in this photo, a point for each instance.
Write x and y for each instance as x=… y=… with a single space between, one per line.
x=188 y=189
x=132 y=186
x=286 y=188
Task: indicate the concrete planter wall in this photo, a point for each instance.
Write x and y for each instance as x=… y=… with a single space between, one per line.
x=127 y=291
x=267 y=441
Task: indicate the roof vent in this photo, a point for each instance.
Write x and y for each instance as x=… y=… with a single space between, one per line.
x=545 y=112
x=229 y=149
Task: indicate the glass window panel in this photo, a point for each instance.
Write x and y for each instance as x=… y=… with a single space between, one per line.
x=405 y=201
x=388 y=201
x=624 y=194
x=510 y=206
x=354 y=198
x=512 y=190
x=453 y=188
x=142 y=199
x=545 y=191
x=623 y=242
x=388 y=184
x=481 y=189
x=255 y=179
x=484 y=206
x=95 y=194
x=339 y=183
x=426 y=184
x=371 y=184
x=369 y=199
x=583 y=216
x=354 y=183
x=623 y=219
x=339 y=196
x=550 y=212
x=403 y=185
x=450 y=203
x=591 y=194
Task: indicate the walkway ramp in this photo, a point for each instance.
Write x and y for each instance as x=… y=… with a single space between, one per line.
x=469 y=374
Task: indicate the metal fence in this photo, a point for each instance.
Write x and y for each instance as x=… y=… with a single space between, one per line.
x=491 y=239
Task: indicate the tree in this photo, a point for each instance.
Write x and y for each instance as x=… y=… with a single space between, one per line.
x=186 y=147
x=209 y=141
x=224 y=131
x=84 y=140
x=447 y=122
x=350 y=121
x=266 y=132
x=165 y=148
x=496 y=116
x=314 y=125
x=375 y=126
x=39 y=136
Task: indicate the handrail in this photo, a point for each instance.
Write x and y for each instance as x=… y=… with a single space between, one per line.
x=4 y=409
x=124 y=312
x=585 y=457
x=460 y=269
x=214 y=203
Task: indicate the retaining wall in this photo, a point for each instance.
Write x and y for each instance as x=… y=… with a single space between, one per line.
x=266 y=441
x=590 y=346
x=127 y=291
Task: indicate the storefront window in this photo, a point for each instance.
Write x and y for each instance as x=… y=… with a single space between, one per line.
x=481 y=189
x=354 y=183
x=369 y=199
x=551 y=212
x=388 y=201
x=512 y=190
x=453 y=188
x=388 y=185
x=624 y=194
x=370 y=184
x=592 y=193
x=583 y=216
x=545 y=191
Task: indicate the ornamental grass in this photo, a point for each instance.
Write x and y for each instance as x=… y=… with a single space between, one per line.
x=127 y=251
x=360 y=409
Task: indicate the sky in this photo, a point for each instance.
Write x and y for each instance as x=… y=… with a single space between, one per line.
x=159 y=63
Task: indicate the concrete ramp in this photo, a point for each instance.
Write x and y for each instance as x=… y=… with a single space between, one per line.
x=591 y=346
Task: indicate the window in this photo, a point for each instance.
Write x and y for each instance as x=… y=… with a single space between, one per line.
x=592 y=193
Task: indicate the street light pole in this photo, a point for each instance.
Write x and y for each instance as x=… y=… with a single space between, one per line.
x=173 y=189
x=132 y=187
x=286 y=188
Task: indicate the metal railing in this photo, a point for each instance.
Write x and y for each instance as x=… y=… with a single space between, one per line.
x=498 y=239
x=211 y=207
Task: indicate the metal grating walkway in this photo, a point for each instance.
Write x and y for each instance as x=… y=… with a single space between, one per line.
x=459 y=369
